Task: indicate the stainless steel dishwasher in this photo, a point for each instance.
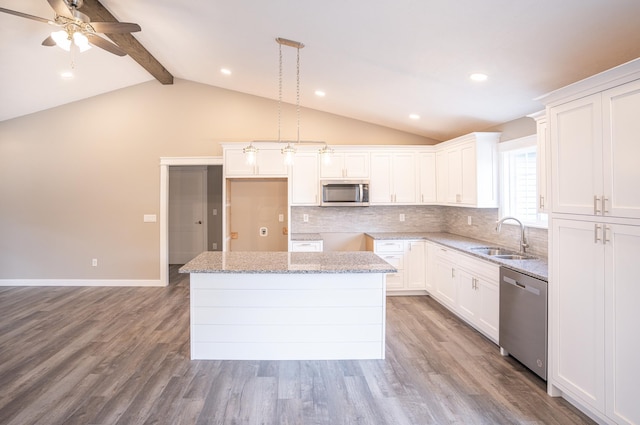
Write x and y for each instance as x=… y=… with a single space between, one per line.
x=523 y=319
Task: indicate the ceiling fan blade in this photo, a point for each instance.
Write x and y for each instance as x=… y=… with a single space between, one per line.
x=49 y=41
x=115 y=27
x=25 y=15
x=106 y=45
x=60 y=7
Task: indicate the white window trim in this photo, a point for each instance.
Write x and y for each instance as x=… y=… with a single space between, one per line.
x=512 y=145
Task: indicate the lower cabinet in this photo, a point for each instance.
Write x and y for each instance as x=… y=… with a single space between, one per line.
x=408 y=256
x=466 y=286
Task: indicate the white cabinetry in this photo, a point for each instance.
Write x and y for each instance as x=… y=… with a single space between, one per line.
x=304 y=180
x=269 y=163
x=409 y=257
x=467 y=171
x=594 y=333
x=468 y=287
x=594 y=142
x=393 y=178
x=542 y=160
x=427 y=177
x=346 y=164
x=595 y=240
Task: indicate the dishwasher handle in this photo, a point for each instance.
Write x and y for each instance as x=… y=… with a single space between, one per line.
x=517 y=284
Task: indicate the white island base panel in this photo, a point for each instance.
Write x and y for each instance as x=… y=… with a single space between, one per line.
x=289 y=316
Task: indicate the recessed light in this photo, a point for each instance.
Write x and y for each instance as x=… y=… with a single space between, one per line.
x=66 y=75
x=225 y=71
x=414 y=116
x=320 y=93
x=478 y=77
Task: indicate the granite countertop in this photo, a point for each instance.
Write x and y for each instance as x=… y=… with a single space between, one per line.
x=287 y=262
x=306 y=237
x=537 y=267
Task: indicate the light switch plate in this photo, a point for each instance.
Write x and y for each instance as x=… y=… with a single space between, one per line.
x=149 y=218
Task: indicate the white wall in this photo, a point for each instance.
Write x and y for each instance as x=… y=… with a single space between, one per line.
x=76 y=180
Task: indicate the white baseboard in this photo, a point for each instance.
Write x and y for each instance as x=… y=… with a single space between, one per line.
x=80 y=282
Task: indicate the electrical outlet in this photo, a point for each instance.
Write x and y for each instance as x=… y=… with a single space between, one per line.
x=215 y=211
x=281 y=218
x=94 y=262
x=305 y=218
x=214 y=246
x=469 y=220
x=401 y=217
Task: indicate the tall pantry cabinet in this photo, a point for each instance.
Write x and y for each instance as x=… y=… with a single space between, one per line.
x=594 y=130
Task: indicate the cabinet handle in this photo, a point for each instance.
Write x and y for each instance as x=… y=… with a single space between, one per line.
x=422 y=197
x=605 y=229
x=604 y=205
x=458 y=197
x=596 y=199
x=453 y=272
x=541 y=202
x=596 y=229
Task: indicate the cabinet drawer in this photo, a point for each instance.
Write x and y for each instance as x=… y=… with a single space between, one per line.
x=306 y=246
x=396 y=260
x=395 y=280
x=389 y=246
x=480 y=268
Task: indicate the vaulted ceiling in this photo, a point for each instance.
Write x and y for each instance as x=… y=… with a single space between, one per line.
x=377 y=61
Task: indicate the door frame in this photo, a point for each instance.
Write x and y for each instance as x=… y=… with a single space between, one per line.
x=165 y=163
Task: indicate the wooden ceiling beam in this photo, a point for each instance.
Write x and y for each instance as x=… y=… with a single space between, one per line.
x=127 y=42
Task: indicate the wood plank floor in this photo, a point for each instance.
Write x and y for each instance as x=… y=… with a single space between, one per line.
x=73 y=355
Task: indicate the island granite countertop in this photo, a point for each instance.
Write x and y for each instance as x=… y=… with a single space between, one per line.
x=287 y=262
x=537 y=267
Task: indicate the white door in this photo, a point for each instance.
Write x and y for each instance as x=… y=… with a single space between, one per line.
x=427 y=180
x=577 y=310
x=415 y=267
x=621 y=108
x=622 y=316
x=380 y=191
x=304 y=179
x=469 y=174
x=404 y=178
x=187 y=213
x=576 y=155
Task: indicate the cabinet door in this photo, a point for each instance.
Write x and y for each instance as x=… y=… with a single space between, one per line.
x=430 y=275
x=576 y=153
x=304 y=179
x=621 y=110
x=235 y=163
x=454 y=176
x=469 y=174
x=415 y=265
x=542 y=163
x=333 y=168
x=488 y=314
x=356 y=164
x=442 y=177
x=395 y=280
x=467 y=296
x=577 y=310
x=271 y=163
x=445 y=278
x=380 y=190
x=404 y=178
x=622 y=316
x=427 y=177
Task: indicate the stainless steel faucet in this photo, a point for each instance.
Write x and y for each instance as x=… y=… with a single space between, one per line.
x=523 y=240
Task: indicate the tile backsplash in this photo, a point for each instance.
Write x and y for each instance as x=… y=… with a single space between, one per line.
x=417 y=218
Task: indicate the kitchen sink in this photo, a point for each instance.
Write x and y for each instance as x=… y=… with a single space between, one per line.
x=501 y=253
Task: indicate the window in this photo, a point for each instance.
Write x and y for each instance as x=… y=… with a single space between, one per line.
x=518 y=182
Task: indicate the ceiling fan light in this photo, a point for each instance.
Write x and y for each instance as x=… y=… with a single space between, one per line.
x=62 y=39
x=81 y=41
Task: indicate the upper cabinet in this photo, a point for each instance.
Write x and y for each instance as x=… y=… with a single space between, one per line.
x=393 y=178
x=426 y=162
x=304 y=181
x=269 y=163
x=467 y=171
x=346 y=164
x=542 y=159
x=594 y=149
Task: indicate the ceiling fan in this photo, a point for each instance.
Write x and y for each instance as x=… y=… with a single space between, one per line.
x=77 y=28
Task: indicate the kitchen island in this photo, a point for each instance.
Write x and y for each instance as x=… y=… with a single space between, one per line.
x=287 y=305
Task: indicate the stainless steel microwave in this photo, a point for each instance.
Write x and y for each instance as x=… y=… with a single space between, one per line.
x=345 y=193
